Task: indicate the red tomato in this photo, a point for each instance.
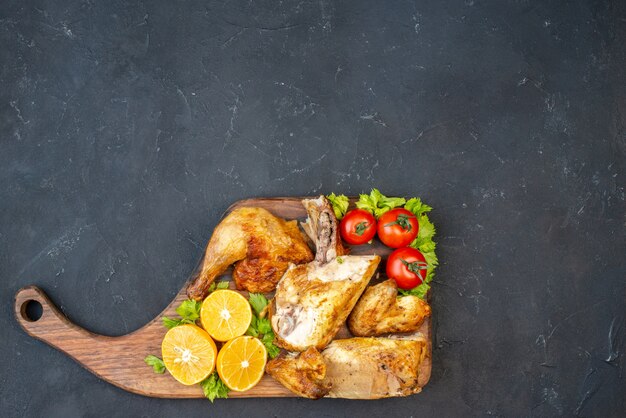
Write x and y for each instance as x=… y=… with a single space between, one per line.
x=397 y=228
x=357 y=227
x=407 y=266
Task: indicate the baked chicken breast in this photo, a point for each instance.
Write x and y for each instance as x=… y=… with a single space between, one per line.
x=381 y=311
x=312 y=301
x=372 y=368
x=302 y=373
x=259 y=244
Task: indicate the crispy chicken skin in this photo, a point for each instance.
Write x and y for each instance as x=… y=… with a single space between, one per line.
x=261 y=245
x=302 y=373
x=381 y=311
x=373 y=368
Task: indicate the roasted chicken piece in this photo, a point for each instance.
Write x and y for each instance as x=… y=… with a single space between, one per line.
x=322 y=227
x=301 y=373
x=372 y=368
x=381 y=311
x=261 y=245
x=312 y=301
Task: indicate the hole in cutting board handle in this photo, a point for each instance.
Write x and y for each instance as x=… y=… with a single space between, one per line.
x=31 y=310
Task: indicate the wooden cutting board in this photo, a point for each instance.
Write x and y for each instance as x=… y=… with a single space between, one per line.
x=119 y=360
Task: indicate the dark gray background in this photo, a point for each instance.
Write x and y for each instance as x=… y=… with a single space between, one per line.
x=126 y=130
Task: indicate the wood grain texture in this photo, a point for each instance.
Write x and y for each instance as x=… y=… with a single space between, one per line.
x=119 y=360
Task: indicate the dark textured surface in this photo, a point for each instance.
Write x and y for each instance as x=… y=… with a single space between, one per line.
x=126 y=130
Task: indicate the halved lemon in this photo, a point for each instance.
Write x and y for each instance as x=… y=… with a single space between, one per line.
x=241 y=363
x=225 y=314
x=189 y=353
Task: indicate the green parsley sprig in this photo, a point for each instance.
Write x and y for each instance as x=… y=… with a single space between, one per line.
x=260 y=326
x=218 y=285
x=156 y=363
x=189 y=312
x=213 y=387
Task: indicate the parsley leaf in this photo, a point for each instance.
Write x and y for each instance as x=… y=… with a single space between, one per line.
x=340 y=204
x=189 y=310
x=268 y=342
x=218 y=285
x=156 y=363
x=170 y=323
x=213 y=387
x=258 y=302
x=261 y=327
x=377 y=203
x=252 y=329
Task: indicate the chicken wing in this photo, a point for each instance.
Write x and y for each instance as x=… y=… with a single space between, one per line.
x=372 y=368
x=261 y=245
x=381 y=311
x=302 y=373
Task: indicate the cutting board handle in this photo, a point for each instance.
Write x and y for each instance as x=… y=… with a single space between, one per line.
x=46 y=322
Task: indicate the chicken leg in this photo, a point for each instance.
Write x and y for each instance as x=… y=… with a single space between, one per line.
x=259 y=244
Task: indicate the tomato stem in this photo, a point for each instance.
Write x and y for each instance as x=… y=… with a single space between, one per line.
x=415 y=266
x=403 y=221
x=361 y=227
